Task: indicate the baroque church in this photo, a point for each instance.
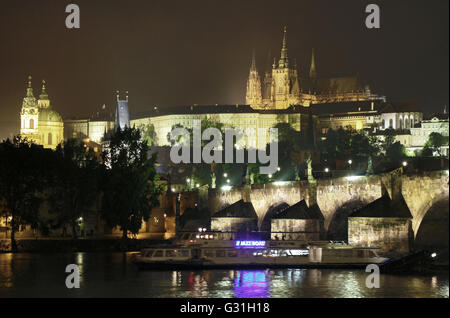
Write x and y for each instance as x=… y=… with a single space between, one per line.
x=282 y=86
x=39 y=123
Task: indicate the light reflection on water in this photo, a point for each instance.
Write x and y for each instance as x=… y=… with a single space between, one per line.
x=114 y=275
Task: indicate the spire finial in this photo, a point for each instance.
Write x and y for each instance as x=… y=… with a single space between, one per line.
x=284 y=62
x=253 y=66
x=29 y=81
x=312 y=70
x=117 y=94
x=43 y=85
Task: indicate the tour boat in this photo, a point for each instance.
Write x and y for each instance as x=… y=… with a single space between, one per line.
x=257 y=254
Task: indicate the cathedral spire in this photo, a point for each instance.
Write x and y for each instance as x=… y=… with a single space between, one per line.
x=253 y=66
x=284 y=61
x=253 y=95
x=312 y=71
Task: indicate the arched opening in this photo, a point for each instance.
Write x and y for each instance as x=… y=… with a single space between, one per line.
x=49 y=138
x=31 y=123
x=338 y=228
x=406 y=123
x=433 y=230
x=391 y=123
x=273 y=210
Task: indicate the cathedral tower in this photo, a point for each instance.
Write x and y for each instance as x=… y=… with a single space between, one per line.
x=253 y=96
x=29 y=115
x=284 y=80
x=122 y=113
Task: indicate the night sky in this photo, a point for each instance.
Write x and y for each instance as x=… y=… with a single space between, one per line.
x=184 y=52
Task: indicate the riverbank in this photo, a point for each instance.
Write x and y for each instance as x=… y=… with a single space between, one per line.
x=79 y=245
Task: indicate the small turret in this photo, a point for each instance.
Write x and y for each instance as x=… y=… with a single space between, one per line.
x=43 y=94
x=44 y=101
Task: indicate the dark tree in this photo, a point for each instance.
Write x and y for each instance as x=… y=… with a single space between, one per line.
x=389 y=139
x=130 y=182
x=21 y=179
x=435 y=142
x=396 y=153
x=75 y=186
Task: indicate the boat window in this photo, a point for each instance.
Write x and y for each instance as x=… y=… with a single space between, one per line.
x=171 y=253
x=148 y=253
x=209 y=253
x=220 y=253
x=158 y=253
x=184 y=253
x=232 y=254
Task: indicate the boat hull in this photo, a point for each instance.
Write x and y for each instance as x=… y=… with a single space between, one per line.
x=203 y=265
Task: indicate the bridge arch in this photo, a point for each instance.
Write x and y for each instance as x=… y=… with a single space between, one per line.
x=433 y=230
x=338 y=225
x=273 y=210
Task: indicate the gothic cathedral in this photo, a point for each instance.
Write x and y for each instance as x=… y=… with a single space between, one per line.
x=283 y=87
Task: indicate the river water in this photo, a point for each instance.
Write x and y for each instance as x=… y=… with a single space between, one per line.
x=114 y=275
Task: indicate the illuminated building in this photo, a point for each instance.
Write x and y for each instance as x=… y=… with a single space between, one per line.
x=39 y=123
x=282 y=86
x=122 y=113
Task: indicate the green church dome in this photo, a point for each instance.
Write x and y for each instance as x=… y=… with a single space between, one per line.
x=47 y=114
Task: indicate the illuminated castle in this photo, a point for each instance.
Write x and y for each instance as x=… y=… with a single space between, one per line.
x=282 y=86
x=39 y=123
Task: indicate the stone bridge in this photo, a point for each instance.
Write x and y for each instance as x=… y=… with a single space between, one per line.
x=339 y=197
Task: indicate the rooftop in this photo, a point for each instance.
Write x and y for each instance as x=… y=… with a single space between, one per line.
x=300 y=210
x=239 y=209
x=384 y=207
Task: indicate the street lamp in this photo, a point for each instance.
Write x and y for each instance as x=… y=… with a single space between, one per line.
x=278 y=169
x=350 y=162
x=404 y=163
x=225 y=174
x=327 y=170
